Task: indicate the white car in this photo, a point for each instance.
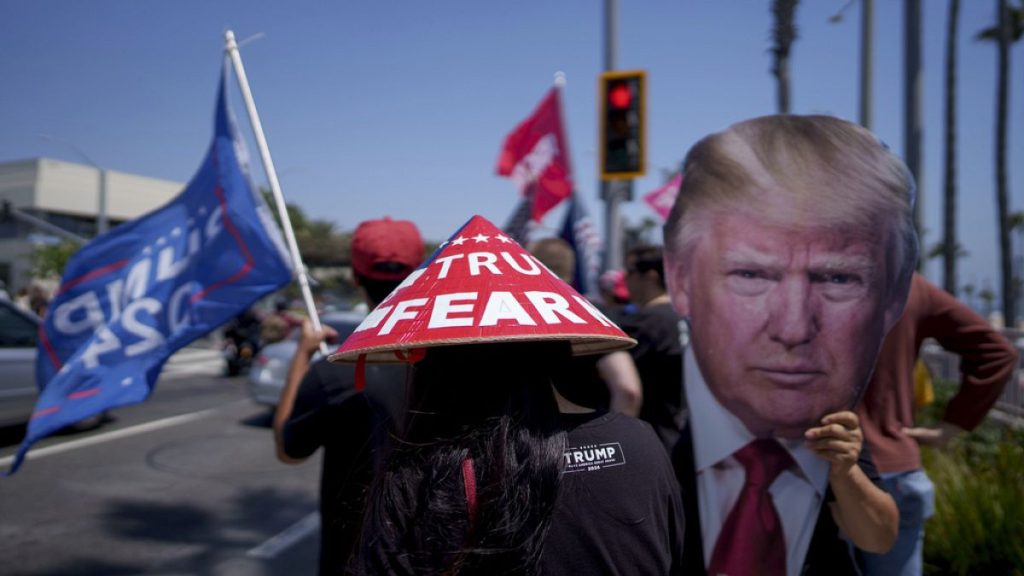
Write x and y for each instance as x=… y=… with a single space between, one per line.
x=19 y=333
x=270 y=367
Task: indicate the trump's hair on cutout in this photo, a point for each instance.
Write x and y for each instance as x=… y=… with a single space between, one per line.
x=836 y=174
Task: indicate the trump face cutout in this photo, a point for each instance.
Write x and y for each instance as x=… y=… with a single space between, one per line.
x=786 y=320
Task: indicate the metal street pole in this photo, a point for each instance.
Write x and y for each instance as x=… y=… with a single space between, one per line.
x=102 y=224
x=610 y=9
x=616 y=191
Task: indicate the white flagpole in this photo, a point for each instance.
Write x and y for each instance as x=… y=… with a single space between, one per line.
x=231 y=47
x=560 y=85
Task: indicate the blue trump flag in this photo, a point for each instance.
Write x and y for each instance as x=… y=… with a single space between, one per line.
x=579 y=231
x=132 y=297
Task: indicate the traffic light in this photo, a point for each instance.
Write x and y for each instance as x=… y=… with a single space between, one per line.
x=623 y=130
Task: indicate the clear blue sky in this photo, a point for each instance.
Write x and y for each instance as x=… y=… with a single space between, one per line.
x=399 y=108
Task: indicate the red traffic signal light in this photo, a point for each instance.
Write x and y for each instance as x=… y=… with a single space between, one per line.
x=620 y=96
x=622 y=124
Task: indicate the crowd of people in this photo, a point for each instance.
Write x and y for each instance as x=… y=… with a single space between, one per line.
x=34 y=298
x=738 y=401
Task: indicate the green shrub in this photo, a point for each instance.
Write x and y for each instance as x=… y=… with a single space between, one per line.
x=978 y=527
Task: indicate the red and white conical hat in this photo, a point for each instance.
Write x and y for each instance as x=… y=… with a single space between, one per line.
x=479 y=287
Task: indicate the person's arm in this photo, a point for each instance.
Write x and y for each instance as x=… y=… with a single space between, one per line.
x=308 y=344
x=937 y=437
x=987 y=361
x=619 y=373
x=864 y=512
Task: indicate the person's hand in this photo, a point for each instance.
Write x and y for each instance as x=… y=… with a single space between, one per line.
x=838 y=440
x=309 y=341
x=936 y=437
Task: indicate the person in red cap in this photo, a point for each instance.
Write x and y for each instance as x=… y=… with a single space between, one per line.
x=614 y=293
x=496 y=472
x=321 y=406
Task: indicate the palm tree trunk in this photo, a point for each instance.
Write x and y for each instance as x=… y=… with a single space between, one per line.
x=913 y=121
x=949 y=280
x=783 y=35
x=867 y=34
x=782 y=73
x=1002 y=193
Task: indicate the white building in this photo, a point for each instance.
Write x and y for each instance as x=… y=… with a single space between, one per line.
x=67 y=195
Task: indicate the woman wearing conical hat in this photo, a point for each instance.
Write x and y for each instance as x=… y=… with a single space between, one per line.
x=497 y=473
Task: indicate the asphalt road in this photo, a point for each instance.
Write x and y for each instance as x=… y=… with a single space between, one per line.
x=185 y=483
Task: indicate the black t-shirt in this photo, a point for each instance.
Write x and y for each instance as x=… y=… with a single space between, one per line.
x=618 y=509
x=354 y=428
x=658 y=359
x=580 y=382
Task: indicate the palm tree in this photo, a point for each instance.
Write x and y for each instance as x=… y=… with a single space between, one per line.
x=938 y=250
x=913 y=120
x=987 y=296
x=1017 y=227
x=1008 y=29
x=867 y=24
x=640 y=234
x=783 y=36
x=968 y=291
x=1016 y=26
x=949 y=244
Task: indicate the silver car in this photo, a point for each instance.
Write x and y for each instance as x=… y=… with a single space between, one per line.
x=18 y=333
x=270 y=368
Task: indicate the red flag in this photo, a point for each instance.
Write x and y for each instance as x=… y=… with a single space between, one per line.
x=661 y=199
x=536 y=152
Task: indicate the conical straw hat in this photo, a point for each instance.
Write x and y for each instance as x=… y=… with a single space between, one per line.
x=480 y=286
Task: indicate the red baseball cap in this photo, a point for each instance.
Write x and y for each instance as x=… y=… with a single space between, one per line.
x=614 y=282
x=480 y=286
x=386 y=249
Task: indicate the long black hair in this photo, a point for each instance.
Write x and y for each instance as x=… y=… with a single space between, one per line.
x=489 y=407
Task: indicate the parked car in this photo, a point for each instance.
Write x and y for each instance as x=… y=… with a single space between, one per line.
x=19 y=330
x=269 y=371
x=18 y=392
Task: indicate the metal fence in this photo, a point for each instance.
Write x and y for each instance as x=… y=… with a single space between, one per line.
x=946 y=366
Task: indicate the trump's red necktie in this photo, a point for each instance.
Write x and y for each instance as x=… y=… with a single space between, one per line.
x=751 y=540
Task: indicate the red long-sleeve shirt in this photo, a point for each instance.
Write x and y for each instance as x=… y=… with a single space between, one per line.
x=987 y=360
